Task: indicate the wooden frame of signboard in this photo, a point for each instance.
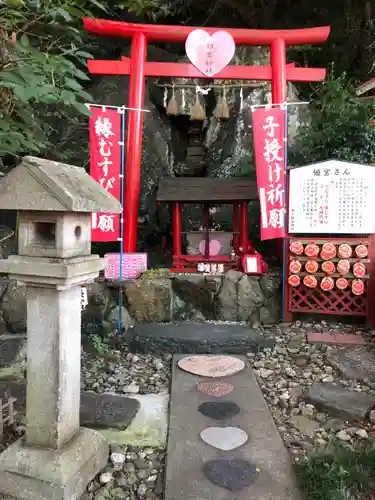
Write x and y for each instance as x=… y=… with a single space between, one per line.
x=301 y=219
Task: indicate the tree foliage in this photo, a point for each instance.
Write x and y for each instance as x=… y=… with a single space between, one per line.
x=339 y=127
x=43 y=53
x=41 y=64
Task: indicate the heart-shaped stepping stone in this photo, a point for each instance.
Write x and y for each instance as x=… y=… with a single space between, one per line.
x=216 y=389
x=219 y=410
x=224 y=438
x=210 y=53
x=211 y=366
x=234 y=475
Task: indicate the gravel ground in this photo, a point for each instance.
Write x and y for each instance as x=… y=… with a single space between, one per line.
x=283 y=373
x=289 y=369
x=122 y=372
x=132 y=473
x=138 y=472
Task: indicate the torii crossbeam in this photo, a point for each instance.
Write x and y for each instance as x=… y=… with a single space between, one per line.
x=138 y=69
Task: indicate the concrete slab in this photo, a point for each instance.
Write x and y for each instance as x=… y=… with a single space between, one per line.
x=336 y=338
x=150 y=425
x=199 y=338
x=187 y=453
x=107 y=410
x=340 y=401
x=10 y=346
x=97 y=411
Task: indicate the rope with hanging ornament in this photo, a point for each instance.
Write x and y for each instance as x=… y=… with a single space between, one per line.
x=173 y=108
x=222 y=111
x=197 y=109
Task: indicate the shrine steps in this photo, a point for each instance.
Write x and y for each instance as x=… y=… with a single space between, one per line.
x=199 y=338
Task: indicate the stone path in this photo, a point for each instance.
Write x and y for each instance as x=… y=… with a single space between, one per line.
x=206 y=462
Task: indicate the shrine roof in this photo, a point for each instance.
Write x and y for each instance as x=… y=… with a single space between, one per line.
x=206 y=189
x=37 y=184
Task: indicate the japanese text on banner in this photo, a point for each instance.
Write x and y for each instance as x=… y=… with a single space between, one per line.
x=105 y=167
x=269 y=148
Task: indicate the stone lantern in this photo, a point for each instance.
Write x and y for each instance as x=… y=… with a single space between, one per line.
x=56 y=458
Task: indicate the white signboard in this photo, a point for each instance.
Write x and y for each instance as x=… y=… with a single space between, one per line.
x=332 y=197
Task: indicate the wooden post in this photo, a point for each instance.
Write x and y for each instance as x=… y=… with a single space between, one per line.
x=134 y=142
x=1 y=420
x=244 y=221
x=287 y=315
x=279 y=88
x=206 y=220
x=236 y=226
x=11 y=411
x=176 y=234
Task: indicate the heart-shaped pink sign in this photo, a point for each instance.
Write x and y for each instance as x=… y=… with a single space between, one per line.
x=214 y=247
x=210 y=53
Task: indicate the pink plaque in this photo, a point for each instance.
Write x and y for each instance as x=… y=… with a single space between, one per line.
x=133 y=265
x=211 y=366
x=210 y=53
x=217 y=389
x=213 y=248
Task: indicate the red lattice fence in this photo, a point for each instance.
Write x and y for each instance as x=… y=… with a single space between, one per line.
x=301 y=299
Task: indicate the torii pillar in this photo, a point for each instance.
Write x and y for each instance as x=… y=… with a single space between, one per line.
x=138 y=69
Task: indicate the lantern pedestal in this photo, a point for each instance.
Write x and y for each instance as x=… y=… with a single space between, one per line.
x=29 y=472
x=56 y=459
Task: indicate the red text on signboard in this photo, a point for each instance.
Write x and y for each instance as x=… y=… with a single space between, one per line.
x=269 y=146
x=105 y=167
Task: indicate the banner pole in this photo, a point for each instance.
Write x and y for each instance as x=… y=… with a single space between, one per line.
x=284 y=263
x=122 y=108
x=120 y=290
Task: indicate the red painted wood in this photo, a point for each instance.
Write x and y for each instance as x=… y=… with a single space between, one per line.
x=287 y=314
x=98 y=67
x=201 y=258
x=236 y=226
x=289 y=65
x=134 y=143
x=176 y=231
x=371 y=284
x=178 y=34
x=244 y=227
x=278 y=71
x=337 y=302
x=279 y=92
x=138 y=68
x=182 y=70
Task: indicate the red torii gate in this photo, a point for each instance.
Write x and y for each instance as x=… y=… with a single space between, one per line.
x=138 y=68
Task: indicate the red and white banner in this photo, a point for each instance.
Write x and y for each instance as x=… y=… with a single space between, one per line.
x=270 y=150
x=105 y=167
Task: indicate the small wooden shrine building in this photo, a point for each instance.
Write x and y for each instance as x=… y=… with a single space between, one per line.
x=208 y=191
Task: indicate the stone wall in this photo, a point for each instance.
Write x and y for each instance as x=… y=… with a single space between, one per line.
x=231 y=297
